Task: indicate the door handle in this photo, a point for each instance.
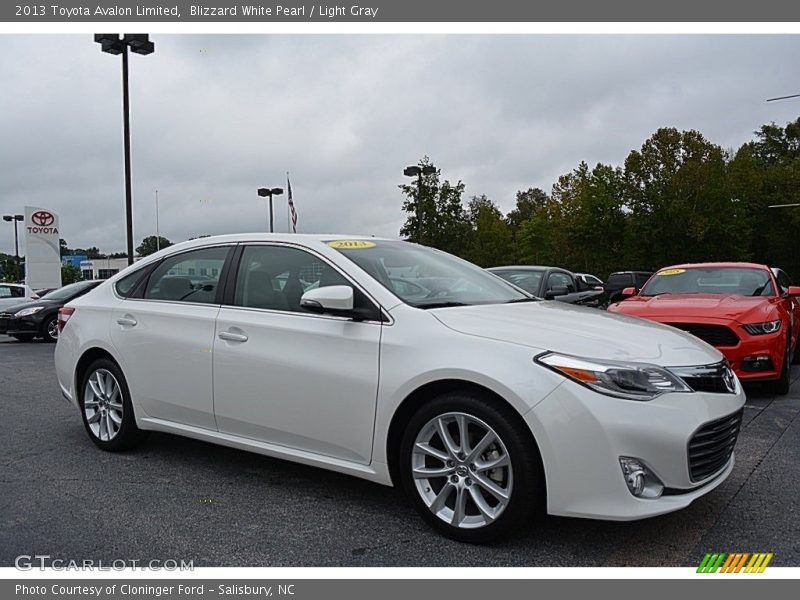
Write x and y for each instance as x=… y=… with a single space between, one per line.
x=127 y=321
x=229 y=336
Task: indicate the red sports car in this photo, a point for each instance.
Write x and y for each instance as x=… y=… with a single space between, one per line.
x=749 y=312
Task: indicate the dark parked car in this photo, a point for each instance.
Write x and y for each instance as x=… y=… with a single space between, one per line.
x=550 y=283
x=624 y=279
x=40 y=317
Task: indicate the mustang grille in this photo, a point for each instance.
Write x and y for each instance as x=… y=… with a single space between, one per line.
x=716 y=335
x=711 y=446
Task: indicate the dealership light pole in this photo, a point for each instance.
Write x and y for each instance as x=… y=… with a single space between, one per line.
x=113 y=43
x=418 y=172
x=269 y=193
x=15 y=219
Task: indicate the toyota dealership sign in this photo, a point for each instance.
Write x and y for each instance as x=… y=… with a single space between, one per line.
x=42 y=248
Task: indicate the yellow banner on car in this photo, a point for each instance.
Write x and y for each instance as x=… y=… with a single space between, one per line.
x=671 y=272
x=350 y=244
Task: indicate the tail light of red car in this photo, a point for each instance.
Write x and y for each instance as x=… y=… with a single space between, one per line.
x=63 y=316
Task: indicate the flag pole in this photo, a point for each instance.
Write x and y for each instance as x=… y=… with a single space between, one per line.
x=288 y=211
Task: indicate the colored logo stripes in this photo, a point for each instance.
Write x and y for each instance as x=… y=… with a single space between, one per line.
x=735 y=562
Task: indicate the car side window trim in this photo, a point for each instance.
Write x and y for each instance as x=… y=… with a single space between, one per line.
x=230 y=285
x=145 y=281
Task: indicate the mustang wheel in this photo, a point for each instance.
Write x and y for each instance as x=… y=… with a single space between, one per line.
x=106 y=407
x=781 y=386
x=469 y=469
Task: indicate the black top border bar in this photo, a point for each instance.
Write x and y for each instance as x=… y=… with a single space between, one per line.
x=388 y=11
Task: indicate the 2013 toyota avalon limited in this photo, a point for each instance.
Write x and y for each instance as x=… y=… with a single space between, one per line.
x=407 y=366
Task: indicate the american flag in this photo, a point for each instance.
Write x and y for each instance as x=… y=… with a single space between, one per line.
x=292 y=211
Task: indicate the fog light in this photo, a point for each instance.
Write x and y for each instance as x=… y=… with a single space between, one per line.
x=760 y=362
x=641 y=482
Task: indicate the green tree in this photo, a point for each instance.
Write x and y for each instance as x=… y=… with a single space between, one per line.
x=70 y=273
x=490 y=240
x=679 y=198
x=443 y=223
x=149 y=245
x=10 y=273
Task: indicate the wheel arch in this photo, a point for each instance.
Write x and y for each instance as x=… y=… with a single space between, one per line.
x=432 y=389
x=86 y=359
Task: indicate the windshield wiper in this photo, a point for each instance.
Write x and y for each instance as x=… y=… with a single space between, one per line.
x=441 y=304
x=517 y=300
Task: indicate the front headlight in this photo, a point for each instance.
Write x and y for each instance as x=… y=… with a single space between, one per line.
x=631 y=381
x=762 y=328
x=27 y=312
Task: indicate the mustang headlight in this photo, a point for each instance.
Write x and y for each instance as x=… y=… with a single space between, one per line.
x=27 y=312
x=632 y=381
x=762 y=328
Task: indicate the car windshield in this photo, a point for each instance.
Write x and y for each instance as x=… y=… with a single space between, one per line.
x=527 y=279
x=427 y=278
x=711 y=280
x=68 y=291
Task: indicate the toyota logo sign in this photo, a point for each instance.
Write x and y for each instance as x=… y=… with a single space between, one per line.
x=42 y=218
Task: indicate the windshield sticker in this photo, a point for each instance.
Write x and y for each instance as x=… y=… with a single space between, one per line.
x=351 y=244
x=672 y=272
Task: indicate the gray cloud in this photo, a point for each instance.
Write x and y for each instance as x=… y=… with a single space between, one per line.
x=215 y=117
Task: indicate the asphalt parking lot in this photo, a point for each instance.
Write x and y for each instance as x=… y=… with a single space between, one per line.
x=176 y=498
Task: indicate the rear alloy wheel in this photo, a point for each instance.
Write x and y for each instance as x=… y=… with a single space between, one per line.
x=50 y=329
x=469 y=469
x=106 y=407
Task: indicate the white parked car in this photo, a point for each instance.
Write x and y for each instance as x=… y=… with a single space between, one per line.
x=12 y=294
x=484 y=404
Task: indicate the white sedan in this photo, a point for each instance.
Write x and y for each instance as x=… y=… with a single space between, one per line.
x=407 y=366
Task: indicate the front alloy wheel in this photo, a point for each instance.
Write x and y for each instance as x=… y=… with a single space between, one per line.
x=470 y=466
x=462 y=470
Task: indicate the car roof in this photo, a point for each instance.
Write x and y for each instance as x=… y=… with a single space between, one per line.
x=718 y=265
x=19 y=285
x=524 y=268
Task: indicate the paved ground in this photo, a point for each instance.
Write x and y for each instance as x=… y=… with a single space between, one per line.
x=181 y=499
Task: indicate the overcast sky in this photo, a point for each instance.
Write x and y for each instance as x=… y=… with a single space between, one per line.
x=215 y=117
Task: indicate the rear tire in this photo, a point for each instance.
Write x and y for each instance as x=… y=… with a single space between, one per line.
x=455 y=490
x=106 y=407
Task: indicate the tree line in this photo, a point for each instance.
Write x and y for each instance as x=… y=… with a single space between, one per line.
x=679 y=198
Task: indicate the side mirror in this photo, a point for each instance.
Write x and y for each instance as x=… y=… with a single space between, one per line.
x=557 y=290
x=794 y=290
x=629 y=291
x=332 y=299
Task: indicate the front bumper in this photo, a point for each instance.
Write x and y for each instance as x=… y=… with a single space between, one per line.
x=582 y=435
x=11 y=325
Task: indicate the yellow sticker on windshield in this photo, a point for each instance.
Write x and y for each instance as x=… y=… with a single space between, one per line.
x=350 y=244
x=671 y=272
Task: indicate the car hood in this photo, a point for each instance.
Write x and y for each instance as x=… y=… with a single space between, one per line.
x=18 y=307
x=732 y=307
x=580 y=331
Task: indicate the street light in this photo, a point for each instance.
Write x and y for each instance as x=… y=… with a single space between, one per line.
x=113 y=43
x=16 y=219
x=269 y=193
x=418 y=172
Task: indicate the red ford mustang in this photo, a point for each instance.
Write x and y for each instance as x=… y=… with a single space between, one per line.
x=750 y=312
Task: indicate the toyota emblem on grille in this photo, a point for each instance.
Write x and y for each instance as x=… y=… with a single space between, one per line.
x=728 y=379
x=42 y=218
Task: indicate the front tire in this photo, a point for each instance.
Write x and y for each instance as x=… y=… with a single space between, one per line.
x=470 y=469
x=781 y=385
x=106 y=407
x=50 y=329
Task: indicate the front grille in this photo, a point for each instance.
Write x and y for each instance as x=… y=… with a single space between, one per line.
x=716 y=335
x=711 y=446
x=717 y=378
